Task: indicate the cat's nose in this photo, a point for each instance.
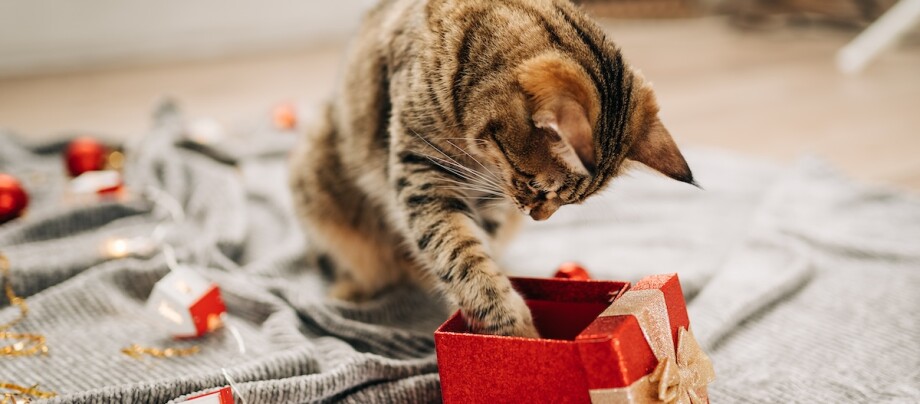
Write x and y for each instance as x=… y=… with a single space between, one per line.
x=544 y=209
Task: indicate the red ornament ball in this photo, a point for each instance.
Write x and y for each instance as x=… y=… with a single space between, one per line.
x=573 y=271
x=13 y=199
x=85 y=154
x=285 y=116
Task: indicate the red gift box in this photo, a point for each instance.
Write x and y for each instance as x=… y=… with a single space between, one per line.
x=222 y=396
x=603 y=341
x=189 y=305
x=96 y=182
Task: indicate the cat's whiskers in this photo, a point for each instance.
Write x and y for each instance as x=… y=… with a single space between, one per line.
x=494 y=176
x=471 y=188
x=455 y=163
x=441 y=163
x=471 y=171
x=471 y=184
x=476 y=186
x=447 y=165
x=480 y=141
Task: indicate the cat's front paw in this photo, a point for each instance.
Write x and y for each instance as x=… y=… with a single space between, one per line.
x=510 y=318
x=525 y=330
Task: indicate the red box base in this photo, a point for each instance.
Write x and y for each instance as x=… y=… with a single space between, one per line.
x=578 y=352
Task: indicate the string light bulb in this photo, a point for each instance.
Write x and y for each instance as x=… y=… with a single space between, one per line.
x=128 y=247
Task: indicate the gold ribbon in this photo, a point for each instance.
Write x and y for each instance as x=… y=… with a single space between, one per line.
x=682 y=374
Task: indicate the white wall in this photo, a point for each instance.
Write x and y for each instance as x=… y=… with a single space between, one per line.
x=40 y=36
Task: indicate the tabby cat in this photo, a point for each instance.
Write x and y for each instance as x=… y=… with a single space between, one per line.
x=453 y=120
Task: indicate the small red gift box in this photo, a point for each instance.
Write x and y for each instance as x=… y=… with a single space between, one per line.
x=222 y=396
x=189 y=305
x=603 y=342
x=96 y=182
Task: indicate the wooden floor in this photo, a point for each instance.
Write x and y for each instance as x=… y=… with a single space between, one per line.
x=770 y=94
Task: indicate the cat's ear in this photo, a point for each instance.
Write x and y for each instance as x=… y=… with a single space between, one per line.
x=563 y=102
x=655 y=148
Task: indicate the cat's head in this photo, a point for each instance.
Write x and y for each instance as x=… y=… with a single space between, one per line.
x=569 y=133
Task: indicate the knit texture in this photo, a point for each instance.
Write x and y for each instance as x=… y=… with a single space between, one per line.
x=802 y=285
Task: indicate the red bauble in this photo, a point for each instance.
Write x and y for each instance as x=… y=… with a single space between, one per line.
x=574 y=271
x=85 y=154
x=285 y=116
x=13 y=199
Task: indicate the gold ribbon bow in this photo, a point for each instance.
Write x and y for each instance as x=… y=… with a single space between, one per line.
x=682 y=381
x=682 y=374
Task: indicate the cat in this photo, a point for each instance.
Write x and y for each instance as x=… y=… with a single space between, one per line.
x=453 y=120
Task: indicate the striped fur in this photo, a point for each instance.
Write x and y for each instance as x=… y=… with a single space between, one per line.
x=452 y=118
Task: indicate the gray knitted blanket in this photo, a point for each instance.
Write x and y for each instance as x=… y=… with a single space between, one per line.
x=802 y=285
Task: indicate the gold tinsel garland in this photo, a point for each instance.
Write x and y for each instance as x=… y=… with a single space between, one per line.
x=21 y=393
x=136 y=351
x=28 y=343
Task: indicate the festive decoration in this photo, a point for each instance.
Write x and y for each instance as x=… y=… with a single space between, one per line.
x=115 y=160
x=222 y=396
x=573 y=271
x=284 y=116
x=96 y=182
x=128 y=247
x=29 y=343
x=13 y=198
x=16 y=394
x=683 y=370
x=85 y=154
x=95 y=171
x=189 y=305
x=602 y=342
x=137 y=352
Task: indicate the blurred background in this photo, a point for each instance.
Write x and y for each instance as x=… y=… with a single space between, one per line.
x=759 y=77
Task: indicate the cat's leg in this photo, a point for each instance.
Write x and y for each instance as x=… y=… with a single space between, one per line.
x=450 y=241
x=365 y=265
x=345 y=231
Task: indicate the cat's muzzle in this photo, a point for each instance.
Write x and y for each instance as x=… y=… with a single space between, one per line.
x=542 y=210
